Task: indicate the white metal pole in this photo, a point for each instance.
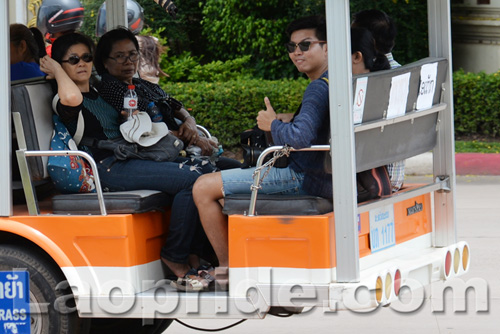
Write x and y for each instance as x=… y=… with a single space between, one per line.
x=5 y=120
x=444 y=153
x=116 y=14
x=342 y=140
x=18 y=11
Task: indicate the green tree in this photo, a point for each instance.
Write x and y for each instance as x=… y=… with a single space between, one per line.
x=207 y=31
x=235 y=28
x=89 y=21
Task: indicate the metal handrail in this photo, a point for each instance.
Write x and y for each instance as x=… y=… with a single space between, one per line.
x=86 y=156
x=260 y=160
x=408 y=116
x=441 y=183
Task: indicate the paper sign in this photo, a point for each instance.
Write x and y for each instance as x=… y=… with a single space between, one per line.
x=398 y=95
x=428 y=74
x=382 y=230
x=359 y=100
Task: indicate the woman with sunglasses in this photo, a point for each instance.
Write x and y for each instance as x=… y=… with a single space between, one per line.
x=71 y=67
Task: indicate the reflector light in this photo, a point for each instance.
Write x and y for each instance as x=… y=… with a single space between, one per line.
x=378 y=290
x=388 y=286
x=447 y=264
x=465 y=258
x=397 y=282
x=456 y=261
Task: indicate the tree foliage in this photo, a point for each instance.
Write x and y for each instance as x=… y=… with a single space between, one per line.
x=208 y=31
x=235 y=28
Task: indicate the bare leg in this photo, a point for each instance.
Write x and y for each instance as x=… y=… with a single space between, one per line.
x=207 y=191
x=179 y=269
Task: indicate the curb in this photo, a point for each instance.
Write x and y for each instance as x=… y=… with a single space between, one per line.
x=465 y=164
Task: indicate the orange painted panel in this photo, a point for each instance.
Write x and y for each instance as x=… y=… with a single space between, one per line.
x=364 y=234
x=413 y=218
x=309 y=241
x=281 y=241
x=111 y=241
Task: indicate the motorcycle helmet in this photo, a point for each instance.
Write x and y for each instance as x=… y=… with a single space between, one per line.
x=135 y=15
x=59 y=15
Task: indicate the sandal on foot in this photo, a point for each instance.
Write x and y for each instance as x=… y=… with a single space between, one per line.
x=191 y=282
x=209 y=279
x=220 y=279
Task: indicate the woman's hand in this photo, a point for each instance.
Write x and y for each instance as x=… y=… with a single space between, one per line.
x=207 y=145
x=188 y=132
x=266 y=117
x=68 y=91
x=50 y=66
x=124 y=113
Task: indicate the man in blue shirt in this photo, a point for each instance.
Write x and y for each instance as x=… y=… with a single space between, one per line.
x=305 y=174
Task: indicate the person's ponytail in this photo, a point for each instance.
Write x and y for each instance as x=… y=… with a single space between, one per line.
x=380 y=63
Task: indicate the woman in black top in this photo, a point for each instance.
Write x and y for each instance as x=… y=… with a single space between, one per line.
x=116 y=61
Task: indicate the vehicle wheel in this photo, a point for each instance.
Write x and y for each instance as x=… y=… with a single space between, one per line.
x=44 y=291
x=128 y=326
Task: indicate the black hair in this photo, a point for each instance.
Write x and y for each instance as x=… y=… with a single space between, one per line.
x=18 y=33
x=40 y=42
x=63 y=43
x=380 y=25
x=362 y=40
x=316 y=22
x=106 y=43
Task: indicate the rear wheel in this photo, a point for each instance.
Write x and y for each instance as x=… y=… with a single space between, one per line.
x=46 y=298
x=128 y=326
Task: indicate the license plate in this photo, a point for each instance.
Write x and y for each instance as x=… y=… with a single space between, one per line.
x=14 y=302
x=382 y=231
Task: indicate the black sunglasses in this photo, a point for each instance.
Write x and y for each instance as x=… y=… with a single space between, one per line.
x=73 y=60
x=303 y=46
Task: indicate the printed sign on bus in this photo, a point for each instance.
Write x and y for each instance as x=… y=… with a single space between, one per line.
x=382 y=231
x=14 y=302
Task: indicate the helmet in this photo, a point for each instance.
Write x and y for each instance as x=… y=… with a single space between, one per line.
x=59 y=15
x=135 y=15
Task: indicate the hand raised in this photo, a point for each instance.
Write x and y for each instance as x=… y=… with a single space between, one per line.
x=266 y=117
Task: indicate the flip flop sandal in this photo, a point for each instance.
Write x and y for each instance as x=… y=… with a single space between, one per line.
x=189 y=283
x=220 y=282
x=209 y=279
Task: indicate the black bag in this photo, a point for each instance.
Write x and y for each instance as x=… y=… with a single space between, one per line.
x=373 y=183
x=254 y=141
x=167 y=108
x=166 y=149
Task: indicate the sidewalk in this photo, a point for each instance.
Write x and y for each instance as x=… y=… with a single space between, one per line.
x=465 y=163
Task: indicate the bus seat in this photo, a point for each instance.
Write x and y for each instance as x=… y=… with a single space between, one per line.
x=133 y=201
x=278 y=204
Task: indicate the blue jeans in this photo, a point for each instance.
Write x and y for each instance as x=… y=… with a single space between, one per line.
x=280 y=181
x=175 y=178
